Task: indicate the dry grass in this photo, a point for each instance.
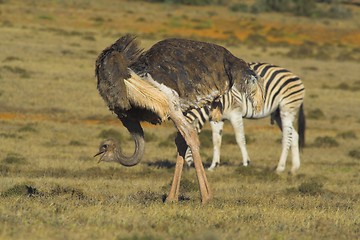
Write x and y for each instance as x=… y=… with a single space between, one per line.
x=52 y=120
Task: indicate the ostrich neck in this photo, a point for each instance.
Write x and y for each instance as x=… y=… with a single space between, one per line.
x=135 y=158
x=137 y=134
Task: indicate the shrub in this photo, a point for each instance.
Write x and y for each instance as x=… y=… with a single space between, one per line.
x=239 y=7
x=76 y=143
x=302 y=51
x=111 y=133
x=343 y=86
x=68 y=192
x=338 y=11
x=188 y=2
x=297 y=7
x=145 y=197
x=20 y=190
x=27 y=128
x=272 y=5
x=347 y=135
x=325 y=142
x=311 y=187
x=315 y=114
x=304 y=7
x=23 y=73
x=355 y=154
x=14 y=158
x=256 y=39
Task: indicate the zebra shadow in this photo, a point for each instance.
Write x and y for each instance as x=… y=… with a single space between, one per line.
x=162 y=163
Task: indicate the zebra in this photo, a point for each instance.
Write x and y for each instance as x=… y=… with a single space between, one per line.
x=283 y=94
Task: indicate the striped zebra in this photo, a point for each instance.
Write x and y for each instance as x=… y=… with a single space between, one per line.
x=283 y=94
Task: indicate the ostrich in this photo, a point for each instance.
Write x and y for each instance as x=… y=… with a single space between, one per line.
x=164 y=82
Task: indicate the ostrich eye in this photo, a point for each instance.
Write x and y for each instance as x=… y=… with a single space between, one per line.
x=105 y=146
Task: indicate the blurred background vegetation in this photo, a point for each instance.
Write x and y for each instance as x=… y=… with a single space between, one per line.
x=309 y=8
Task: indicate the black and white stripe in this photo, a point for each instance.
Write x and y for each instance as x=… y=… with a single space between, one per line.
x=283 y=94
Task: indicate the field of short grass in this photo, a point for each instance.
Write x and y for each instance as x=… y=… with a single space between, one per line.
x=52 y=120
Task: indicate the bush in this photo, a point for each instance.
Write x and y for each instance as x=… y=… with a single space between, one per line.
x=338 y=11
x=188 y=2
x=273 y=5
x=28 y=128
x=347 y=135
x=20 y=190
x=315 y=114
x=239 y=7
x=111 y=133
x=325 y=142
x=355 y=154
x=311 y=188
x=306 y=8
x=14 y=158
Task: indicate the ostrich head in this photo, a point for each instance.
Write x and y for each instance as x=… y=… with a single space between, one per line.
x=110 y=151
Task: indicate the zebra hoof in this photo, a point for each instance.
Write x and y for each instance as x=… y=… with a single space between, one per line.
x=212 y=167
x=247 y=163
x=279 y=170
x=293 y=172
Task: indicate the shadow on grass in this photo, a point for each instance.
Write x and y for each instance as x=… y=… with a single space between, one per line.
x=162 y=164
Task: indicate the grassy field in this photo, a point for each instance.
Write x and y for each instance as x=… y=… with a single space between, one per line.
x=52 y=120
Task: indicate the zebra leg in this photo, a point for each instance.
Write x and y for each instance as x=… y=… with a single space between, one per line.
x=238 y=125
x=188 y=157
x=295 y=152
x=287 y=137
x=217 y=128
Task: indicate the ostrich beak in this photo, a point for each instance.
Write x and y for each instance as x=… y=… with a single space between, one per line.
x=101 y=152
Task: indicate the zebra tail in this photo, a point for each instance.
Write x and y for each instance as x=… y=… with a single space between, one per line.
x=301 y=127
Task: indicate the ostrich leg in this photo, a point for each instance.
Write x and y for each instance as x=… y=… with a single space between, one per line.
x=192 y=140
x=174 y=191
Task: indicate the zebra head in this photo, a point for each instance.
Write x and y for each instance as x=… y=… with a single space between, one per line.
x=254 y=91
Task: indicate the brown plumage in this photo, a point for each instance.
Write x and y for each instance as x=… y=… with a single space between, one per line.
x=172 y=77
